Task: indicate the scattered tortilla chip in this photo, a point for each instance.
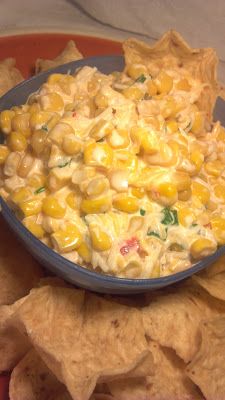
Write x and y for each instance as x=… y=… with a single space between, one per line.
x=82 y=339
x=19 y=272
x=173 y=319
x=169 y=381
x=207 y=369
x=214 y=285
x=70 y=53
x=172 y=50
x=216 y=268
x=9 y=75
x=13 y=345
x=31 y=379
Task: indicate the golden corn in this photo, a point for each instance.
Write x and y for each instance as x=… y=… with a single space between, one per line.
x=133 y=93
x=219 y=191
x=152 y=88
x=101 y=129
x=135 y=70
x=198 y=124
x=201 y=192
x=20 y=195
x=165 y=193
x=183 y=84
x=150 y=143
x=186 y=216
x=184 y=195
x=4 y=152
x=30 y=207
x=38 y=141
x=164 y=83
x=218 y=228
x=118 y=139
x=99 y=155
x=34 y=108
x=17 y=142
x=197 y=158
x=84 y=252
x=51 y=102
x=171 y=126
x=202 y=247
x=38 y=119
x=25 y=165
x=34 y=228
x=36 y=180
x=6 y=117
x=126 y=160
x=101 y=100
x=21 y=123
x=67 y=239
x=99 y=239
x=72 y=201
x=126 y=203
x=165 y=157
x=95 y=206
x=138 y=192
x=52 y=122
x=97 y=186
x=182 y=180
x=214 y=168
x=53 y=208
x=71 y=145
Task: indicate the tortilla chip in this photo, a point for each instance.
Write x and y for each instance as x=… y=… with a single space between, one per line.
x=173 y=319
x=172 y=51
x=70 y=53
x=31 y=379
x=10 y=76
x=13 y=345
x=19 y=272
x=216 y=268
x=82 y=339
x=214 y=285
x=207 y=369
x=169 y=381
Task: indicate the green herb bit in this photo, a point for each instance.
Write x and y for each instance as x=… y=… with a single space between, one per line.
x=193 y=225
x=170 y=217
x=44 y=128
x=39 y=190
x=153 y=233
x=64 y=164
x=142 y=212
x=141 y=79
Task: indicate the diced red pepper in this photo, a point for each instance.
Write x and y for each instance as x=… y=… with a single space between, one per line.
x=74 y=114
x=209 y=225
x=132 y=243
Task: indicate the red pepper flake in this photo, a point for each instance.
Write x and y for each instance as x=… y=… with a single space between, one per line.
x=209 y=225
x=132 y=243
x=74 y=114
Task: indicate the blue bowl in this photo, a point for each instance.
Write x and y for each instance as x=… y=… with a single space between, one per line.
x=49 y=258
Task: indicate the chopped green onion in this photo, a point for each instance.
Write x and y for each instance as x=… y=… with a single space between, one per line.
x=39 y=190
x=142 y=211
x=170 y=217
x=193 y=225
x=141 y=79
x=44 y=128
x=64 y=164
x=153 y=233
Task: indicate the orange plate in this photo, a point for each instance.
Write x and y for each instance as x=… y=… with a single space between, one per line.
x=26 y=49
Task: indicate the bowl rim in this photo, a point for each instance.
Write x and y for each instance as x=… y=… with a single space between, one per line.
x=22 y=232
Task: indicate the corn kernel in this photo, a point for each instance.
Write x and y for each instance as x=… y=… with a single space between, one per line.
x=99 y=155
x=71 y=145
x=185 y=216
x=135 y=70
x=183 y=84
x=198 y=124
x=150 y=143
x=171 y=126
x=165 y=193
x=52 y=122
x=101 y=100
x=36 y=180
x=184 y=195
x=25 y=165
x=126 y=160
x=34 y=228
x=152 y=88
x=221 y=134
x=38 y=141
x=138 y=192
x=38 y=119
x=214 y=168
x=164 y=83
x=34 y=108
x=101 y=129
x=30 y=207
x=95 y=206
x=51 y=102
x=201 y=192
x=97 y=186
x=17 y=142
x=84 y=252
x=202 y=247
x=20 y=195
x=53 y=208
x=72 y=201
x=126 y=203
x=169 y=108
x=133 y=93
x=166 y=156
x=182 y=180
x=152 y=122
x=218 y=228
x=219 y=191
x=99 y=239
x=21 y=123
x=67 y=239
x=6 y=121
x=118 y=139
x=197 y=158
x=4 y=152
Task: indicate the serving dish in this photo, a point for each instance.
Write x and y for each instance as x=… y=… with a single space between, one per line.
x=50 y=259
